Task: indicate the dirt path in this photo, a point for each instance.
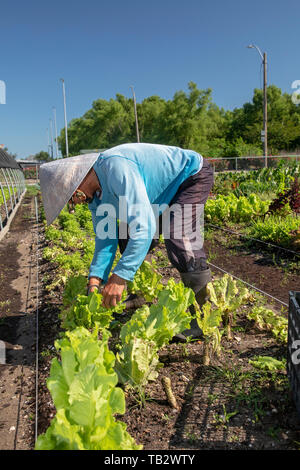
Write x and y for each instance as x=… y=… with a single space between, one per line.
x=17 y=330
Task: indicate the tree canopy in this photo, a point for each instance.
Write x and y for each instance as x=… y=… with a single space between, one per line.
x=189 y=120
x=42 y=156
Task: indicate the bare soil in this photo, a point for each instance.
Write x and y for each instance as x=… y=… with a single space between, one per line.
x=17 y=329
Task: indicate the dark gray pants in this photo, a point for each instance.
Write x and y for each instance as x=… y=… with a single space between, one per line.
x=194 y=191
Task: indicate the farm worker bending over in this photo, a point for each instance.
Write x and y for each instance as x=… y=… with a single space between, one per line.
x=131 y=190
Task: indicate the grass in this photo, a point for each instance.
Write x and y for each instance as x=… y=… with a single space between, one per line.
x=32 y=190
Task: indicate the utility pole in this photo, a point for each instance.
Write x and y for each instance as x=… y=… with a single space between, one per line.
x=49 y=146
x=55 y=128
x=135 y=113
x=51 y=137
x=264 y=132
x=265 y=141
x=65 y=114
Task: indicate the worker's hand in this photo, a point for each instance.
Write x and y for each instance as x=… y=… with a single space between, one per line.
x=112 y=291
x=93 y=284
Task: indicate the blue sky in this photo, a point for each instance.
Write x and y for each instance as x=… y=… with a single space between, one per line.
x=101 y=48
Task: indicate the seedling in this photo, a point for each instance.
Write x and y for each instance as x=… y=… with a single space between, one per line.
x=224 y=418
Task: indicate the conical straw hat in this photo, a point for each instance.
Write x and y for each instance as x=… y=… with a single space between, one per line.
x=60 y=178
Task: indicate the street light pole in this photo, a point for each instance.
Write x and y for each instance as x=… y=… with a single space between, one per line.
x=65 y=114
x=265 y=110
x=49 y=146
x=135 y=113
x=264 y=134
x=51 y=137
x=55 y=128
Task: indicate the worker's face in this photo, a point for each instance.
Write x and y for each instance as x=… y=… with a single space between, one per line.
x=78 y=197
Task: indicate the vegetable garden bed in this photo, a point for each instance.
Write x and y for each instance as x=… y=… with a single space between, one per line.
x=240 y=400
x=231 y=404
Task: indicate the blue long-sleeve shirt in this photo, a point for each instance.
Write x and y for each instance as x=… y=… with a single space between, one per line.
x=134 y=178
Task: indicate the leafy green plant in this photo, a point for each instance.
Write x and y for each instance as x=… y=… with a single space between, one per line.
x=227 y=297
x=234 y=209
x=84 y=392
x=222 y=419
x=148 y=330
x=146 y=282
x=88 y=311
x=265 y=318
x=275 y=229
x=268 y=363
x=209 y=321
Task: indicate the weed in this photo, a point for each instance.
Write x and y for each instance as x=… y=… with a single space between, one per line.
x=166 y=417
x=212 y=397
x=273 y=432
x=224 y=418
x=191 y=436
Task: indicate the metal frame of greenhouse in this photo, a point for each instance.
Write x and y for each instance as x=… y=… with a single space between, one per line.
x=12 y=188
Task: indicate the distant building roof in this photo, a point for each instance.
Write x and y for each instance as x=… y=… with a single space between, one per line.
x=29 y=162
x=7 y=161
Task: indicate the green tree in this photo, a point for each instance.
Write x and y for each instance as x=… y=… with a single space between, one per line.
x=283 y=121
x=189 y=120
x=42 y=156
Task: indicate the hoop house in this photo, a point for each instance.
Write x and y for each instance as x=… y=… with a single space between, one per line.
x=12 y=187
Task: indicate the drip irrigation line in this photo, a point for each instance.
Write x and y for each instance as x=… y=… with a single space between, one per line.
x=37 y=320
x=254 y=239
x=247 y=283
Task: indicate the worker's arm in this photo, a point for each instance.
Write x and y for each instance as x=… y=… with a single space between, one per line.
x=105 y=250
x=126 y=181
x=93 y=284
x=123 y=180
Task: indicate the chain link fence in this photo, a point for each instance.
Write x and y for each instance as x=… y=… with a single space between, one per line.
x=250 y=163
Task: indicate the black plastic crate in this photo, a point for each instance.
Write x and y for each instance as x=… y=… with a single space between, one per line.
x=293 y=353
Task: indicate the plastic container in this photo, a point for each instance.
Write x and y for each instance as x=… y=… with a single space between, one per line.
x=293 y=353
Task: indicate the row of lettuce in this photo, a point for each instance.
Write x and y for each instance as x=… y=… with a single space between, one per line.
x=83 y=383
x=6 y=194
x=264 y=204
x=90 y=373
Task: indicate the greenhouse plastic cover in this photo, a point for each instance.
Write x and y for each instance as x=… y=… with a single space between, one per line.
x=7 y=161
x=60 y=178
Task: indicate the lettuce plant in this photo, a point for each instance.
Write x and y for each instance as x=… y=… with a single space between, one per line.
x=146 y=282
x=226 y=296
x=88 y=311
x=84 y=392
x=209 y=321
x=265 y=318
x=148 y=330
